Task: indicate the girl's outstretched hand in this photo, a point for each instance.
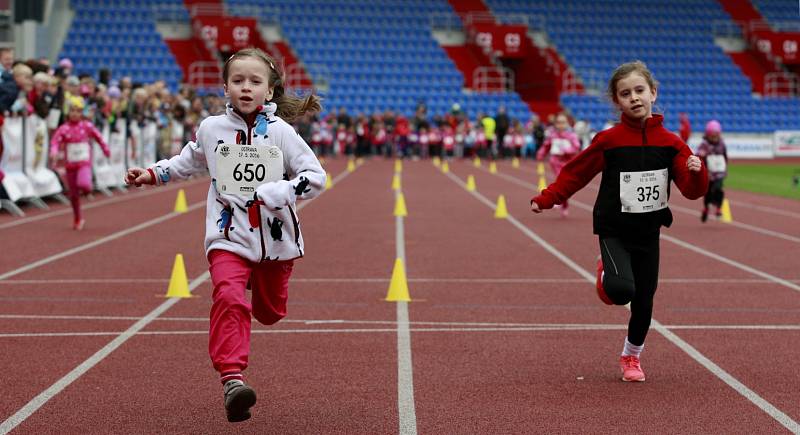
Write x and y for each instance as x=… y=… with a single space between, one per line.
x=535 y=207
x=693 y=163
x=138 y=176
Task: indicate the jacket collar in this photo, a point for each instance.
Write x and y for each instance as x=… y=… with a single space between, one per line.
x=655 y=121
x=268 y=110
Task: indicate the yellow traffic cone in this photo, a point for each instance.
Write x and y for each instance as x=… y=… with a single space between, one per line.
x=398 y=165
x=515 y=163
x=351 y=165
x=470 y=183
x=396 y=182
x=726 y=212
x=492 y=168
x=476 y=162
x=445 y=168
x=398 y=287
x=400 y=206
x=540 y=168
x=328 y=181
x=437 y=161
x=542 y=183
x=180 y=202
x=178 y=282
x=500 y=212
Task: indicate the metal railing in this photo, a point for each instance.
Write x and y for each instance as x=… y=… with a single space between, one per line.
x=205 y=74
x=781 y=84
x=493 y=79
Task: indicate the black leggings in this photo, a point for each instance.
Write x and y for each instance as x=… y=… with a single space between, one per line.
x=631 y=268
x=714 y=195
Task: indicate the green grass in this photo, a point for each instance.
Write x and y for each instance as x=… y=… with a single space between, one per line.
x=772 y=179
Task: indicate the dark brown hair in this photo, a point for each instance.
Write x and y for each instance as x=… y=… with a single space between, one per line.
x=289 y=106
x=624 y=70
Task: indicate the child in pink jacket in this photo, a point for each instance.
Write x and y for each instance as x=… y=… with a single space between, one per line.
x=562 y=144
x=72 y=143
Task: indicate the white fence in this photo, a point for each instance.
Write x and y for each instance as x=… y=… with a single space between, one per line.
x=29 y=177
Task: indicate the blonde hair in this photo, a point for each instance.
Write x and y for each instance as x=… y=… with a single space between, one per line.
x=626 y=69
x=290 y=107
x=22 y=70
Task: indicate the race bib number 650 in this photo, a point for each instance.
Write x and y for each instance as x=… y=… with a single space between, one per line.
x=242 y=168
x=643 y=192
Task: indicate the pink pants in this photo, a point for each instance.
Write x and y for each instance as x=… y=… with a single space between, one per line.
x=229 y=333
x=79 y=180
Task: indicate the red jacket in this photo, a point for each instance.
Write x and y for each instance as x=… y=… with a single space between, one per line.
x=626 y=148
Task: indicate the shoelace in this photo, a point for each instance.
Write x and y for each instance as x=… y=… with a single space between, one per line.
x=631 y=362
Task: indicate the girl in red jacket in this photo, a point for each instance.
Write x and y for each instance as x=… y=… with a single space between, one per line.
x=638 y=158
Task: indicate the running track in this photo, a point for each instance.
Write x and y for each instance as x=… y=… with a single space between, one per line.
x=504 y=333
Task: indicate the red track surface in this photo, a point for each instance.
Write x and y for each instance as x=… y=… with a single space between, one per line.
x=505 y=336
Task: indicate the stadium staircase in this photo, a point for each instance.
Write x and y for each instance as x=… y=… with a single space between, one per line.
x=767 y=74
x=539 y=74
x=379 y=56
x=216 y=32
x=676 y=41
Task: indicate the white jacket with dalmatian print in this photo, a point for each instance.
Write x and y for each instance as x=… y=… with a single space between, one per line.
x=264 y=227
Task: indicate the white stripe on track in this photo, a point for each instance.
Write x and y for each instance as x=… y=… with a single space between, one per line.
x=530 y=328
x=748 y=227
x=715 y=369
x=43 y=397
x=123 y=197
x=123 y=233
x=407 y=415
x=97 y=242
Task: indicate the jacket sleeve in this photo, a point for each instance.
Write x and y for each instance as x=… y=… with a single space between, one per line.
x=692 y=185
x=306 y=174
x=190 y=161
x=576 y=174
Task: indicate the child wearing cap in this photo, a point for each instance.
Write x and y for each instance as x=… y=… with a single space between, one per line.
x=715 y=157
x=71 y=142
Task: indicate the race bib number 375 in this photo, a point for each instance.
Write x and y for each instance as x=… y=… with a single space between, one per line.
x=242 y=168
x=643 y=192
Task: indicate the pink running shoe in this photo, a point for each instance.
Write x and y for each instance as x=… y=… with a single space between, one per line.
x=599 y=284
x=631 y=369
x=78 y=224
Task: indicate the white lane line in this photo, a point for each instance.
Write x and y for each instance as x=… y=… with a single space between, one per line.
x=736 y=264
x=405 y=375
x=37 y=402
x=97 y=242
x=529 y=328
x=764 y=231
x=731 y=281
x=94 y=204
x=125 y=232
x=392 y=322
x=772 y=210
x=744 y=226
x=718 y=371
x=769 y=277
x=43 y=397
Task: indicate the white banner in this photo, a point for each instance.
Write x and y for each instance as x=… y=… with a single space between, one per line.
x=742 y=146
x=110 y=172
x=37 y=146
x=143 y=153
x=16 y=184
x=787 y=143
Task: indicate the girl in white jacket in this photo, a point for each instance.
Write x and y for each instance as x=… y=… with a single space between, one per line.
x=259 y=168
